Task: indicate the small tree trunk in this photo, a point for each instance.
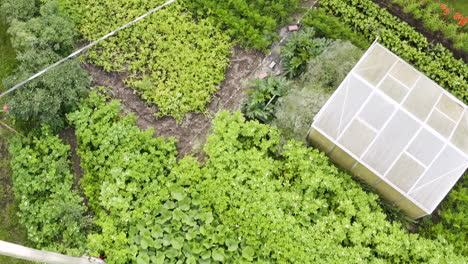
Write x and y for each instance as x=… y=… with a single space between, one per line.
x=20 y=252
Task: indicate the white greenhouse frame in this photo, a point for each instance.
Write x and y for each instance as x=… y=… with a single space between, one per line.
x=410 y=134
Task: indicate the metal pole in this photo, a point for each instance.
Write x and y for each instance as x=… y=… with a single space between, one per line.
x=21 y=252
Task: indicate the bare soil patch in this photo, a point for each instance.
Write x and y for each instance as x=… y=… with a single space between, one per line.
x=68 y=137
x=195 y=125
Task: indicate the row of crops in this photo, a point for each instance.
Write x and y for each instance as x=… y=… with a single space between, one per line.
x=257 y=197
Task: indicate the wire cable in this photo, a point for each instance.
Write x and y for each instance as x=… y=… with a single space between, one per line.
x=84 y=49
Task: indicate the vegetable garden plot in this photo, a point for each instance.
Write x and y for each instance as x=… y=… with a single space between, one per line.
x=172 y=61
x=398 y=130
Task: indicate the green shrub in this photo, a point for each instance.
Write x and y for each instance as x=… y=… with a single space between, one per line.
x=42 y=183
x=295 y=111
x=47 y=31
x=331 y=27
x=39 y=42
x=260 y=104
x=47 y=99
x=299 y=49
x=19 y=10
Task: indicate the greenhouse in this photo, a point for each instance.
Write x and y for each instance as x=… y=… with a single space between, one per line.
x=395 y=128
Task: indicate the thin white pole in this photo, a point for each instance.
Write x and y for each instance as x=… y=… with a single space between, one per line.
x=21 y=252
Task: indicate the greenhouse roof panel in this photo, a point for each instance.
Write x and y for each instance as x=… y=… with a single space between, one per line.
x=401 y=125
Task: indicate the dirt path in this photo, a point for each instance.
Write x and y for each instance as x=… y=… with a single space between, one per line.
x=191 y=132
x=68 y=137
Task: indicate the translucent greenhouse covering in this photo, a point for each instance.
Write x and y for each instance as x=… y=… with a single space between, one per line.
x=396 y=129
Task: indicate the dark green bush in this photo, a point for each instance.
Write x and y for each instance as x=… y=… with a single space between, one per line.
x=39 y=42
x=299 y=49
x=260 y=104
x=19 y=10
x=47 y=99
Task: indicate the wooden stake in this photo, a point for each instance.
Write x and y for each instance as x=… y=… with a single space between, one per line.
x=12 y=129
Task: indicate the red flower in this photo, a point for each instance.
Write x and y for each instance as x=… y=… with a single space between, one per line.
x=458 y=16
x=464 y=21
x=446 y=12
x=5 y=108
x=443 y=6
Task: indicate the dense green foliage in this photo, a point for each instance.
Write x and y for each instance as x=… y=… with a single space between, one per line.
x=19 y=10
x=253 y=200
x=10 y=229
x=331 y=27
x=435 y=61
x=172 y=61
x=39 y=42
x=7 y=56
x=299 y=49
x=451 y=224
x=431 y=15
x=48 y=207
x=251 y=22
x=260 y=104
x=294 y=112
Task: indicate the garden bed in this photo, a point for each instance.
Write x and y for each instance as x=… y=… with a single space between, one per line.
x=432 y=36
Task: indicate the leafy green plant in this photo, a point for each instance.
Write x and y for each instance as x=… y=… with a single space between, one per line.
x=261 y=102
x=48 y=207
x=172 y=61
x=291 y=206
x=300 y=48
